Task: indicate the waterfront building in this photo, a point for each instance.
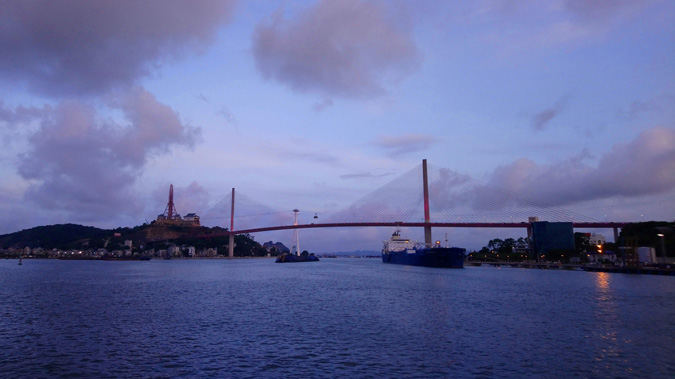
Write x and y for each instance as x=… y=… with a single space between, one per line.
x=548 y=236
x=601 y=257
x=646 y=254
x=596 y=239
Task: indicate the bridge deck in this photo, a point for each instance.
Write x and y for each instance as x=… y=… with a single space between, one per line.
x=599 y=225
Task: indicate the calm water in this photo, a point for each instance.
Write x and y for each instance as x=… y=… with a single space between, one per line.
x=335 y=318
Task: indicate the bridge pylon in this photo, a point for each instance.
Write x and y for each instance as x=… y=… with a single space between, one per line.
x=230 y=244
x=427 y=212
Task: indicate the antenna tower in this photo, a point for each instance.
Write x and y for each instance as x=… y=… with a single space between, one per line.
x=170 y=211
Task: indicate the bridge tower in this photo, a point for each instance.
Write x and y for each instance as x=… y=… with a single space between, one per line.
x=230 y=244
x=427 y=217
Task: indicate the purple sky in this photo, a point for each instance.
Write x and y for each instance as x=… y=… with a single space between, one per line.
x=316 y=104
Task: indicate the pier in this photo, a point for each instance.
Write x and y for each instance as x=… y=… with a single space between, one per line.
x=644 y=270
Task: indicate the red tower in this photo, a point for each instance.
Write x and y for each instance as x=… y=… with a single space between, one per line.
x=170 y=211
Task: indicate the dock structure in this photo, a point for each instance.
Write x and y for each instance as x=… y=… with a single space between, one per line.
x=668 y=270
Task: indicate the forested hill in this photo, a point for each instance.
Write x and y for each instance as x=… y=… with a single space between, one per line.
x=51 y=236
x=147 y=236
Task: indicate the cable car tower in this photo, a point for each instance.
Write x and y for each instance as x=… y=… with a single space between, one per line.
x=295 y=244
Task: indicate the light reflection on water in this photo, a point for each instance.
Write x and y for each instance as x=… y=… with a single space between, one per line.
x=337 y=317
x=602 y=280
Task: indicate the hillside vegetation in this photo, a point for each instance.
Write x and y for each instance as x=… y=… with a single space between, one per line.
x=144 y=237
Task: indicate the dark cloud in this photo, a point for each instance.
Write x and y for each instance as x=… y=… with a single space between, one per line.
x=407 y=143
x=339 y=48
x=83 y=165
x=78 y=47
x=645 y=166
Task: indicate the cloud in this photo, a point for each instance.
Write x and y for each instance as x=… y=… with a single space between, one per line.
x=76 y=47
x=407 y=143
x=323 y=104
x=19 y=114
x=314 y=156
x=227 y=115
x=541 y=119
x=85 y=165
x=154 y=127
x=655 y=104
x=523 y=26
x=300 y=150
x=645 y=166
x=338 y=48
x=364 y=175
x=601 y=10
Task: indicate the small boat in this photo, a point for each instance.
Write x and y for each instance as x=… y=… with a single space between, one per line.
x=292 y=258
x=399 y=250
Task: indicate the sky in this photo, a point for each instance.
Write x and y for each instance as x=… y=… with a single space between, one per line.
x=313 y=105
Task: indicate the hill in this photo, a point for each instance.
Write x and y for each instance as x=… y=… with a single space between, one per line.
x=52 y=236
x=147 y=236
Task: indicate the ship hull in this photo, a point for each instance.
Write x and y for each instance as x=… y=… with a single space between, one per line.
x=442 y=257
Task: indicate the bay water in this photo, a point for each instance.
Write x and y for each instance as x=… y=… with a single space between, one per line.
x=360 y=318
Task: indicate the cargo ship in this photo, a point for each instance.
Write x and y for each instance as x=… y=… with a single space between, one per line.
x=402 y=251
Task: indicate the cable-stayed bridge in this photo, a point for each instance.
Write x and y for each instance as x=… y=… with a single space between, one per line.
x=445 y=199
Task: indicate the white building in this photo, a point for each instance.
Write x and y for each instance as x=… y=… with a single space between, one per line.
x=596 y=239
x=646 y=254
x=174 y=251
x=605 y=256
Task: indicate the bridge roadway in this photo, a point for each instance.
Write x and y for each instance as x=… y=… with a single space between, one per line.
x=599 y=225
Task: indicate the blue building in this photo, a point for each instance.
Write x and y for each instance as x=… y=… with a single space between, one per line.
x=547 y=236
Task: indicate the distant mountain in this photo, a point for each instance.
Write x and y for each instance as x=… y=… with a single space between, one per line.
x=280 y=247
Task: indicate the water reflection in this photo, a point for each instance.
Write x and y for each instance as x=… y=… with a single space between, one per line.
x=602 y=280
x=606 y=319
